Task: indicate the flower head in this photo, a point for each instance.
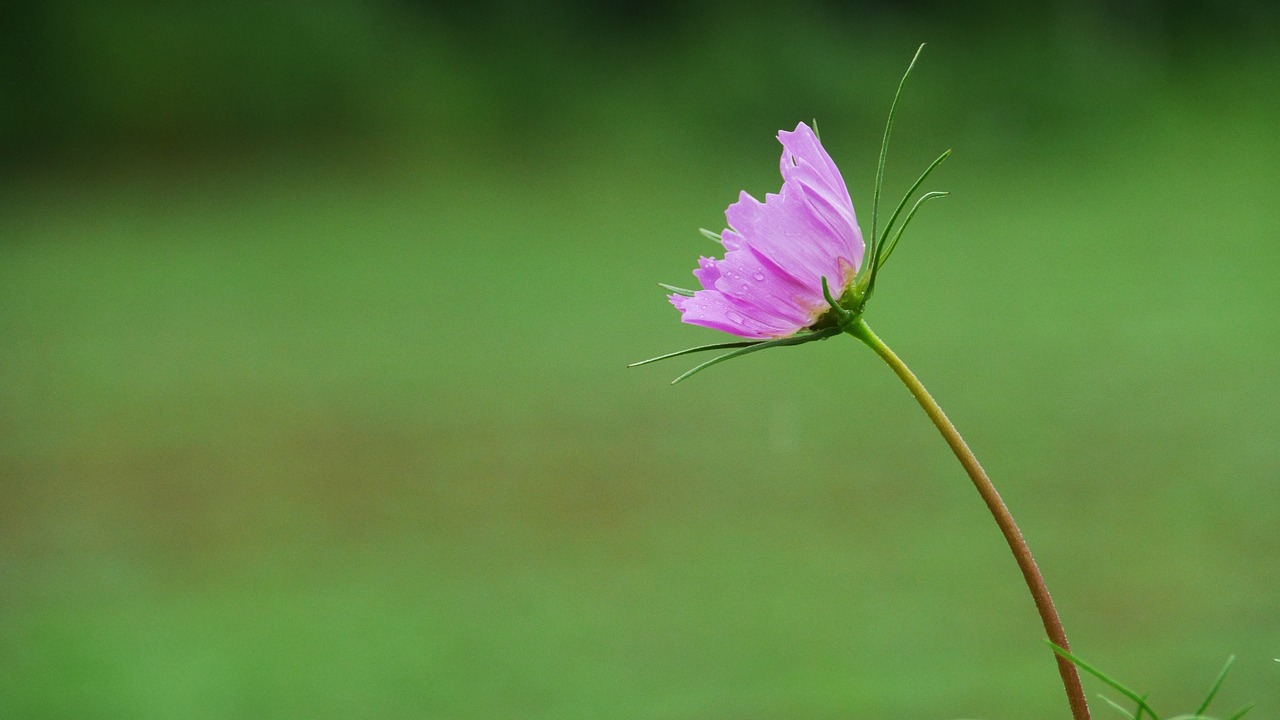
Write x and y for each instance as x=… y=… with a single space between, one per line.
x=795 y=267
x=777 y=252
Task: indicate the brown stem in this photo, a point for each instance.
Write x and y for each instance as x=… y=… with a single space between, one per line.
x=1013 y=536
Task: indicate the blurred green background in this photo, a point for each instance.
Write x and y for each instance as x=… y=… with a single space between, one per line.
x=314 y=318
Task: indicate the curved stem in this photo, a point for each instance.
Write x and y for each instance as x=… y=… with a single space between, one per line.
x=1012 y=535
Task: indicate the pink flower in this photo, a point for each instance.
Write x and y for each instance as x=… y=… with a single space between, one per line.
x=796 y=268
x=769 y=283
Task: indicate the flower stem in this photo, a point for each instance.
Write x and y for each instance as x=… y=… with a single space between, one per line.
x=1013 y=536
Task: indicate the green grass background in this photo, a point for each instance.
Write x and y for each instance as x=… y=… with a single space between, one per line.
x=346 y=431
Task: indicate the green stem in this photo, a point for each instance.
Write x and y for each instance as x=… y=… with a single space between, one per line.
x=1013 y=536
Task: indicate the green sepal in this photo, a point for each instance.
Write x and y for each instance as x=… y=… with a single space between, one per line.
x=797 y=339
x=844 y=313
x=676 y=290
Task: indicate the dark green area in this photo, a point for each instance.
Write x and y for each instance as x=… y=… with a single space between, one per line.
x=318 y=408
x=81 y=79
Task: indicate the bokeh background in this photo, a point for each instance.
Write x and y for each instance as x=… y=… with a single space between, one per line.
x=314 y=318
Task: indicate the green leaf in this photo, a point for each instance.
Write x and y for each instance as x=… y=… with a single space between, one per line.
x=1222 y=675
x=1241 y=713
x=919 y=181
x=798 y=339
x=700 y=348
x=1141 y=700
x=888 y=250
x=1117 y=706
x=884 y=150
x=710 y=235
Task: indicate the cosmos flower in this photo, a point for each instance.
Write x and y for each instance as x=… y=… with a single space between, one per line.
x=769 y=283
x=796 y=268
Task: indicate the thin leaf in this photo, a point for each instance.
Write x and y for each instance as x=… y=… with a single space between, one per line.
x=710 y=235
x=888 y=250
x=700 y=348
x=1204 y=706
x=1117 y=706
x=780 y=342
x=888 y=227
x=1141 y=700
x=676 y=290
x=884 y=149
x=1240 y=714
x=1142 y=703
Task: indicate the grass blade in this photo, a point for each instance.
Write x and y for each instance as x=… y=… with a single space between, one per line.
x=1241 y=713
x=1141 y=700
x=1204 y=706
x=1118 y=707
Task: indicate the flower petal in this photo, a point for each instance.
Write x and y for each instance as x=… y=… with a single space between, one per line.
x=769 y=293
x=745 y=285
x=712 y=309
x=788 y=230
x=802 y=147
x=807 y=167
x=769 y=283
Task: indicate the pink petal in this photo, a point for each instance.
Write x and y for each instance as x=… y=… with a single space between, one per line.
x=802 y=147
x=789 y=231
x=707 y=272
x=711 y=309
x=764 y=290
x=807 y=167
x=769 y=283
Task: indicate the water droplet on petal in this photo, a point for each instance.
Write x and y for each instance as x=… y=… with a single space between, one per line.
x=759 y=277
